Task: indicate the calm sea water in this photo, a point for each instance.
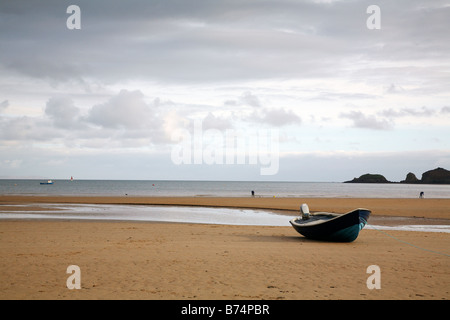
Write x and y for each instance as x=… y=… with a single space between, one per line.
x=220 y=189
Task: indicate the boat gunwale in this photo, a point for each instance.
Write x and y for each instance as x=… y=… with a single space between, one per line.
x=320 y=221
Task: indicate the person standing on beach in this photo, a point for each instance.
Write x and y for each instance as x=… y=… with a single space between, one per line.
x=421 y=194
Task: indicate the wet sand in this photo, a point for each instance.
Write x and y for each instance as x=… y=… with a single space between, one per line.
x=141 y=260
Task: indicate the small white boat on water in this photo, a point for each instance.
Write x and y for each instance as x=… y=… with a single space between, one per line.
x=48 y=182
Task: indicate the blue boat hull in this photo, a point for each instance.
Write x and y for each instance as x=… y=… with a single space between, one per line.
x=332 y=227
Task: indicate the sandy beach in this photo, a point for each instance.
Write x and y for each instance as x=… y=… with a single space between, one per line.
x=142 y=260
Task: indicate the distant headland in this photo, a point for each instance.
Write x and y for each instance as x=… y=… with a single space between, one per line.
x=435 y=176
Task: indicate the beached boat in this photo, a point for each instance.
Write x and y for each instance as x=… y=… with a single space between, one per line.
x=48 y=182
x=330 y=226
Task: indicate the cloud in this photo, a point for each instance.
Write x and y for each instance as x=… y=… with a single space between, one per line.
x=246 y=99
x=334 y=96
x=126 y=110
x=127 y=120
x=11 y=163
x=25 y=129
x=363 y=121
x=393 y=89
x=260 y=114
x=215 y=122
x=63 y=112
x=445 y=110
x=4 y=104
x=404 y=112
x=276 y=117
x=203 y=42
x=124 y=120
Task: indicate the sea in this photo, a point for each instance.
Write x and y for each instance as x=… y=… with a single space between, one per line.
x=183 y=214
x=220 y=188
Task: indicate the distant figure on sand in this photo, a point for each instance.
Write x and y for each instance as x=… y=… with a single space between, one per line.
x=253 y=193
x=421 y=194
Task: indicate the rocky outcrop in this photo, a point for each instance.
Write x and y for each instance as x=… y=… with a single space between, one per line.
x=436 y=176
x=369 y=178
x=410 y=178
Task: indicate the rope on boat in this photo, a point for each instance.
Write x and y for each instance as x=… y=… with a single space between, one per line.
x=410 y=244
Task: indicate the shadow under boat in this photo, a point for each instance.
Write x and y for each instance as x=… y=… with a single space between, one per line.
x=331 y=226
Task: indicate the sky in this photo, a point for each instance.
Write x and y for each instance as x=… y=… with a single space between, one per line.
x=283 y=90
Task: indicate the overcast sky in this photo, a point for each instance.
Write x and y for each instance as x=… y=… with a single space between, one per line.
x=114 y=99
